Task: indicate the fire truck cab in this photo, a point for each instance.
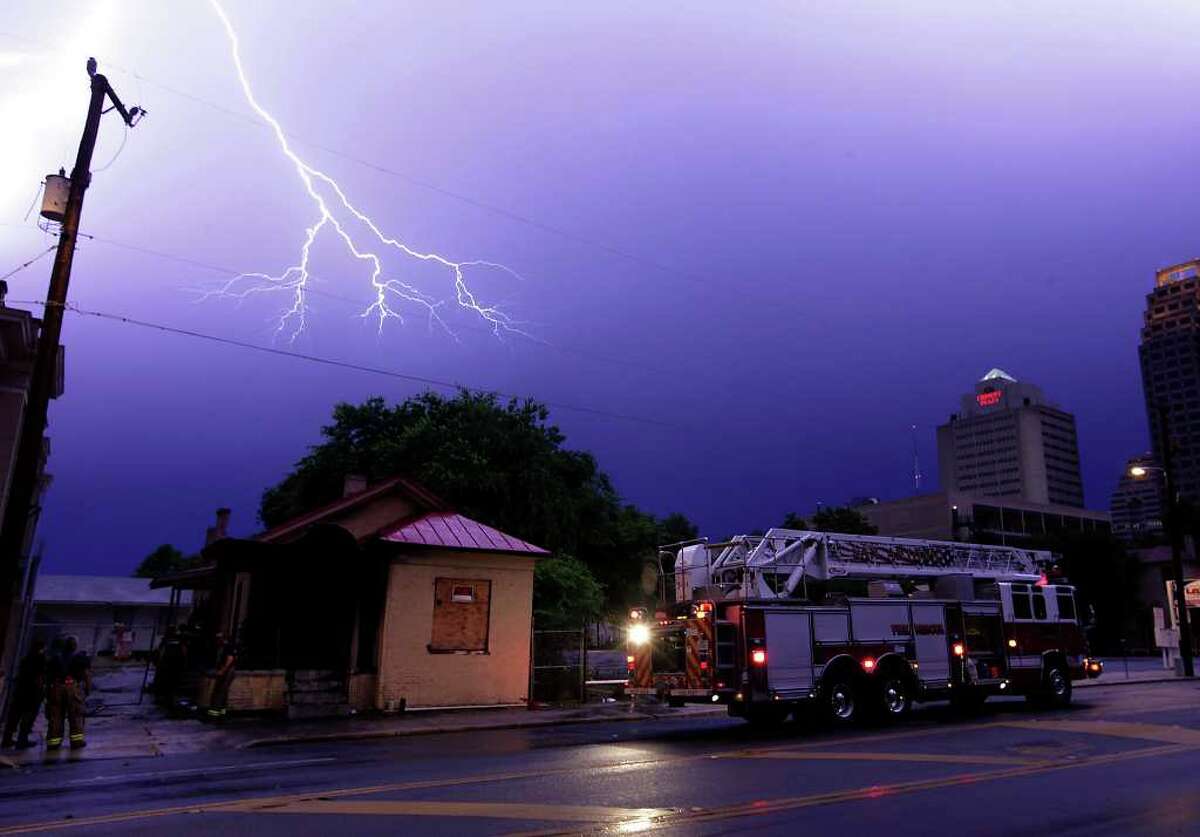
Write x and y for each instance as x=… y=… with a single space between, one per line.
x=858 y=626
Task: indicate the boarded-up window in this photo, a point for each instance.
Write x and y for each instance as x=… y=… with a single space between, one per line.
x=461 y=610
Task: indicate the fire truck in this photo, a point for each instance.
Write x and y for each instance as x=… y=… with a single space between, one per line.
x=858 y=626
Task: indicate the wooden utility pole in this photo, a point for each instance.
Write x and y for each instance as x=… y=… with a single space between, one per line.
x=20 y=510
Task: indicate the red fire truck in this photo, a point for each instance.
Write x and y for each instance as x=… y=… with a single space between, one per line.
x=860 y=626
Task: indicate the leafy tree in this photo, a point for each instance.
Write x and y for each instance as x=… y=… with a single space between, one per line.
x=500 y=462
x=163 y=560
x=794 y=521
x=675 y=528
x=842 y=519
x=565 y=594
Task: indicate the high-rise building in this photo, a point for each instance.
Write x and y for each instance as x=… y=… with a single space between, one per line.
x=1170 y=356
x=1007 y=440
x=1137 y=503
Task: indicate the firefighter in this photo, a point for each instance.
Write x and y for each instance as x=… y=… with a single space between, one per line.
x=78 y=685
x=28 y=691
x=56 y=673
x=170 y=666
x=224 y=668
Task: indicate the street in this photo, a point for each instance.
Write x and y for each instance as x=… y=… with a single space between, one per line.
x=1122 y=760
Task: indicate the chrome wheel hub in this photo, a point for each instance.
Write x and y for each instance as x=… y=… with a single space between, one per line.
x=1058 y=683
x=842 y=702
x=894 y=699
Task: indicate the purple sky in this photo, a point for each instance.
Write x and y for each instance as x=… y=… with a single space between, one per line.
x=861 y=208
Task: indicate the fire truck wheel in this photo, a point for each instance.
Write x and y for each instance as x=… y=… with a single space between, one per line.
x=895 y=697
x=842 y=701
x=1057 y=687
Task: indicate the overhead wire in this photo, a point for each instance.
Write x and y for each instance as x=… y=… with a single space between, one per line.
x=344 y=364
x=26 y=264
x=359 y=302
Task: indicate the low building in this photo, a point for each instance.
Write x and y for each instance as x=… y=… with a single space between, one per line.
x=948 y=515
x=91 y=607
x=383 y=600
x=1137 y=503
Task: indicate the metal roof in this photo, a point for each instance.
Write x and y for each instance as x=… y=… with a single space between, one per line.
x=998 y=374
x=99 y=589
x=454 y=531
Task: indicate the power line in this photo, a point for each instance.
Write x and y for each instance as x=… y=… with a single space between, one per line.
x=343 y=364
x=24 y=265
x=228 y=271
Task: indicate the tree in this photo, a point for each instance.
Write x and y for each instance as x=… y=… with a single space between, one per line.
x=842 y=519
x=500 y=462
x=163 y=560
x=566 y=596
x=794 y=521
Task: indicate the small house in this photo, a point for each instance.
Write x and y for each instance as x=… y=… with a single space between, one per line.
x=383 y=600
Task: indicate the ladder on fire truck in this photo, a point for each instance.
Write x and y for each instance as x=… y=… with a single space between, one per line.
x=777 y=564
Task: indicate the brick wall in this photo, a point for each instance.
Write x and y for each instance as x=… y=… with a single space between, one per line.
x=251 y=691
x=409 y=671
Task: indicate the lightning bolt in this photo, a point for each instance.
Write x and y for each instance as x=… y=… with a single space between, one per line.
x=362 y=238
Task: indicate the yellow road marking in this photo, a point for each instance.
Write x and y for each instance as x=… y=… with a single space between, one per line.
x=480 y=779
x=1116 y=729
x=1094 y=727
x=493 y=810
x=774 y=806
x=854 y=755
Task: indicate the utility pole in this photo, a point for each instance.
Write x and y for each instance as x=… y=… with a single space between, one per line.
x=23 y=490
x=1185 y=627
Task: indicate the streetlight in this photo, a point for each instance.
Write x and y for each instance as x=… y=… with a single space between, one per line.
x=1171 y=523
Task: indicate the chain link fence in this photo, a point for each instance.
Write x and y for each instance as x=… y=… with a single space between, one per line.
x=574 y=666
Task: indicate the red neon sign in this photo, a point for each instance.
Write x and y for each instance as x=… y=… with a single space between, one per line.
x=989 y=399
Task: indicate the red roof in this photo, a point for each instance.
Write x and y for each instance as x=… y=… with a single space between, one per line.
x=453 y=531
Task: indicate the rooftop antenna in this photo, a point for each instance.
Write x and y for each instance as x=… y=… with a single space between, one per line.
x=916 y=462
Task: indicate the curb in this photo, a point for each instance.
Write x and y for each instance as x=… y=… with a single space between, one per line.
x=1166 y=678
x=359 y=735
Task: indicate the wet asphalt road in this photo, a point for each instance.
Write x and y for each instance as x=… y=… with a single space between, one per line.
x=1123 y=760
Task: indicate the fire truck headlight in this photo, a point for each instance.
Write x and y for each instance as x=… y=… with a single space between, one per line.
x=639 y=634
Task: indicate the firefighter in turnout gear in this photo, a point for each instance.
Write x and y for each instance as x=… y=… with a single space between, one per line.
x=56 y=673
x=69 y=679
x=28 y=691
x=225 y=664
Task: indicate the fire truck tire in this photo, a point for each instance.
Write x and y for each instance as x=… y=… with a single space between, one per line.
x=1056 y=687
x=895 y=696
x=843 y=700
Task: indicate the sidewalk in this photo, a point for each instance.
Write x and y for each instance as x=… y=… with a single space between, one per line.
x=120 y=728
x=1117 y=677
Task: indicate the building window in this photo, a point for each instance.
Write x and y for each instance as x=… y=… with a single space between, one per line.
x=461 y=616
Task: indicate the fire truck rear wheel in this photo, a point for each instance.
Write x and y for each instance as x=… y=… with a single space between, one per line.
x=895 y=697
x=842 y=701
